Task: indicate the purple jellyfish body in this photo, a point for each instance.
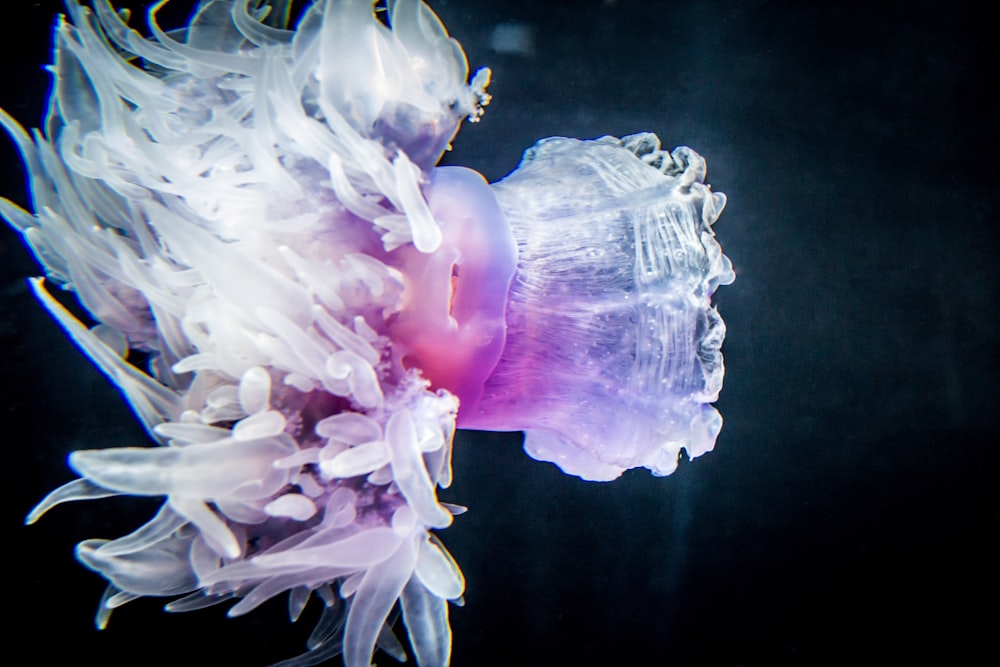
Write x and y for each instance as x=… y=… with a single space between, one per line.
x=256 y=211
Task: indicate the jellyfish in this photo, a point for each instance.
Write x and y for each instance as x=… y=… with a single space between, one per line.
x=301 y=307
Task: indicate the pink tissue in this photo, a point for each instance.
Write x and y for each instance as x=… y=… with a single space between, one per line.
x=452 y=324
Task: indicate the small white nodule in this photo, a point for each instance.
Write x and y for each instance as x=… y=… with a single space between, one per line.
x=293 y=506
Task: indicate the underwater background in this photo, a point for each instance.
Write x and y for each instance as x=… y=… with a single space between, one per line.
x=850 y=510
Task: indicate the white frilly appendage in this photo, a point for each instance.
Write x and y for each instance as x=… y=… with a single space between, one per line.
x=224 y=199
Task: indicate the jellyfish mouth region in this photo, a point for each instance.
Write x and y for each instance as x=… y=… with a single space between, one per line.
x=452 y=322
x=612 y=357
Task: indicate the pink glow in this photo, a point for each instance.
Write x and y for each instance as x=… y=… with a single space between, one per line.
x=452 y=323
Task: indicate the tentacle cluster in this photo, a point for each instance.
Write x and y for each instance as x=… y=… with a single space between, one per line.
x=224 y=199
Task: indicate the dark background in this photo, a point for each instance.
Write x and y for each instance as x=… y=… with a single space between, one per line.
x=850 y=512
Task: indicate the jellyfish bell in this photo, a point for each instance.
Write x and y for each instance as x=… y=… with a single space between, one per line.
x=257 y=210
x=612 y=352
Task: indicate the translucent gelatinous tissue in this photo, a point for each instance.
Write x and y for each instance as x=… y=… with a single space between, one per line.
x=613 y=348
x=301 y=307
